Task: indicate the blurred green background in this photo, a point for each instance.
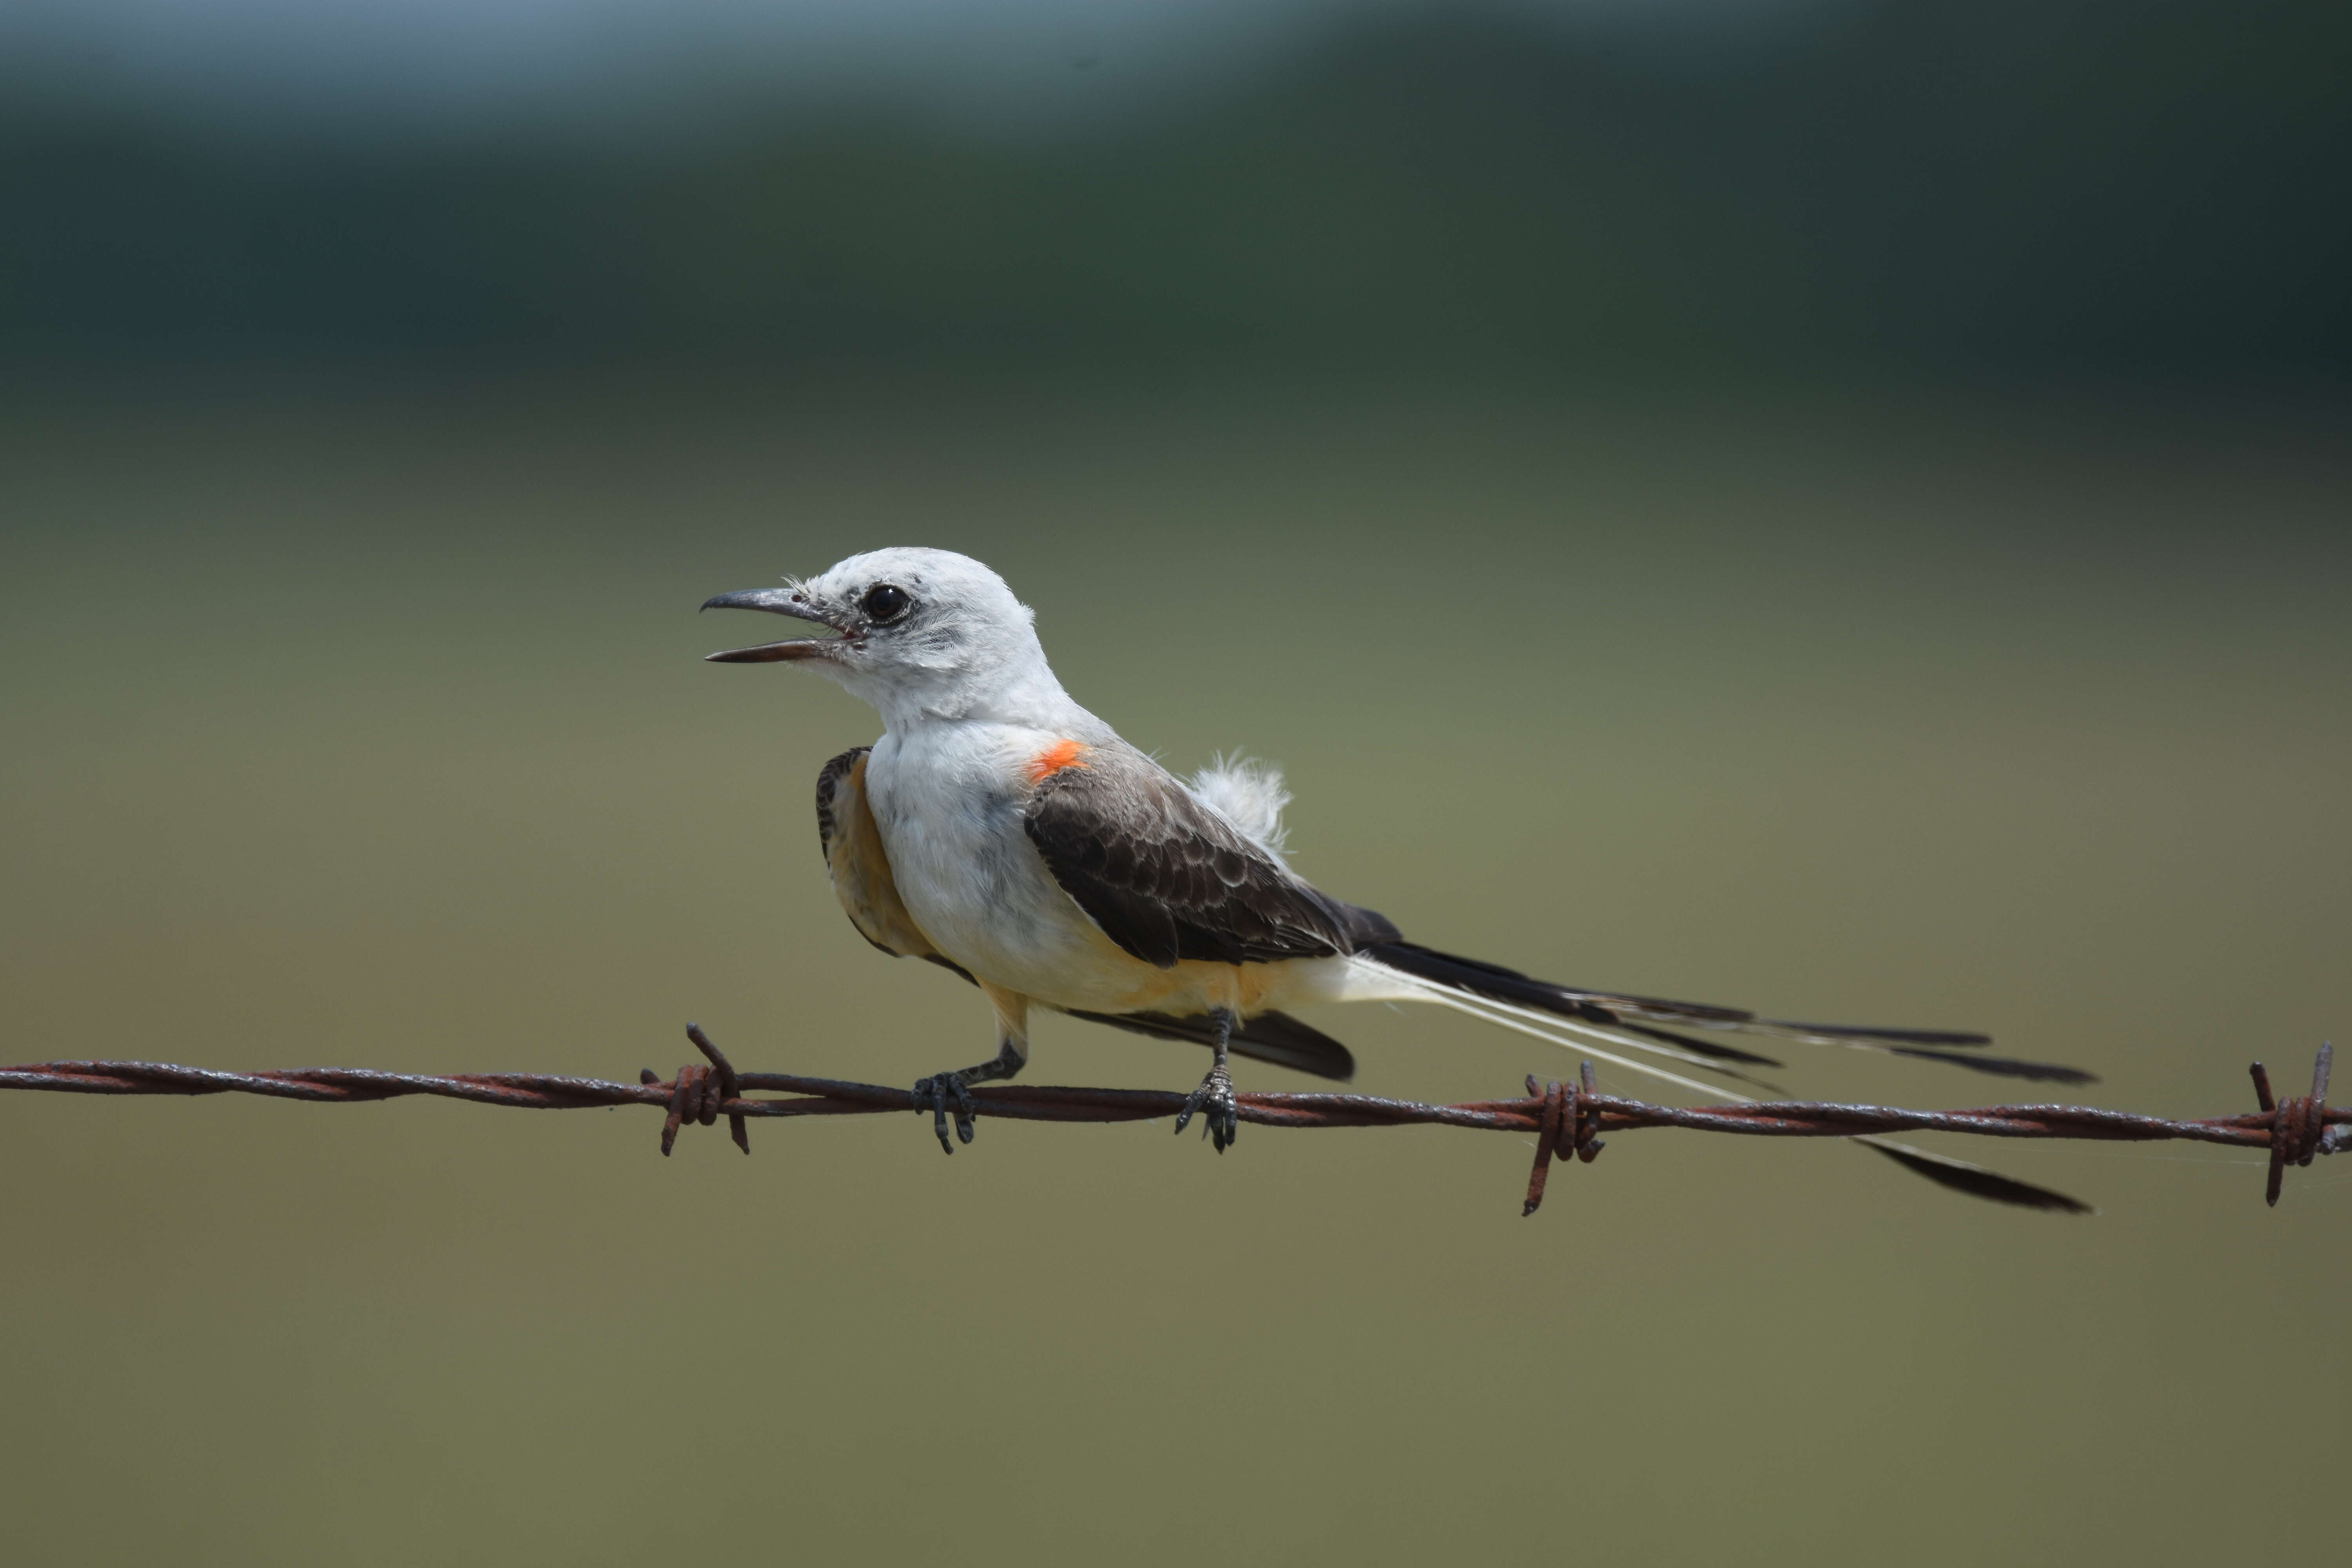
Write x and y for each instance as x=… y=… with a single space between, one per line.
x=1856 y=494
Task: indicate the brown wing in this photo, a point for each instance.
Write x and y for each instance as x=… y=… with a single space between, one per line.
x=855 y=859
x=1168 y=879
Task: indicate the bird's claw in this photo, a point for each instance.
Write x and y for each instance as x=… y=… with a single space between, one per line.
x=1223 y=1121
x=939 y=1090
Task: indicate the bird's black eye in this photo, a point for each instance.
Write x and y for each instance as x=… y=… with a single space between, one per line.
x=884 y=602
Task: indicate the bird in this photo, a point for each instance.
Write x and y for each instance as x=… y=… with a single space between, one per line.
x=1002 y=831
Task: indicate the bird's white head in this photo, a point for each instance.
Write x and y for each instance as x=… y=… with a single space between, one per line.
x=918 y=633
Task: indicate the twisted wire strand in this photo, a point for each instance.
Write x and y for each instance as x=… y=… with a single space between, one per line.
x=1567 y=1122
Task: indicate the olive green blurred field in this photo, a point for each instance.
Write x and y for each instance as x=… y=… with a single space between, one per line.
x=368 y=728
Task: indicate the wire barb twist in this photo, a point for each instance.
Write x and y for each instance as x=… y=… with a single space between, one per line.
x=699 y=1091
x=2299 y=1125
x=1570 y=1127
x=1565 y=1119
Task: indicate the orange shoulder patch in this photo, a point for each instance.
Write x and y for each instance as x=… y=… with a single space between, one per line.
x=1054 y=758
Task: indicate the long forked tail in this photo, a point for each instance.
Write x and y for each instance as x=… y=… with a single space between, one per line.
x=1586 y=1021
x=1645 y=1019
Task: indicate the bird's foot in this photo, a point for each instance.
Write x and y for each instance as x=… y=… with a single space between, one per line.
x=1222 y=1121
x=939 y=1092
x=943 y=1091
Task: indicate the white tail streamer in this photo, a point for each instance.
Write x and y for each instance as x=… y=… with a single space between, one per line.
x=1552 y=1031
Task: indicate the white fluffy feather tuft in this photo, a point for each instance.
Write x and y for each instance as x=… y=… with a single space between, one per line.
x=1250 y=795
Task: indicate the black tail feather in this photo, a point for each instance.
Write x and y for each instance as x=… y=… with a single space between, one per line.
x=2001 y=1067
x=1701 y=1048
x=1644 y=1014
x=1873 y=1032
x=1510 y=985
x=1977 y=1181
x=1492 y=979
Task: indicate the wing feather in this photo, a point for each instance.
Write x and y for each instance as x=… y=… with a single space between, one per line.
x=1276 y=1038
x=858 y=864
x=1170 y=879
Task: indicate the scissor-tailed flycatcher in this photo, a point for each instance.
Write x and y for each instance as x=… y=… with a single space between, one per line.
x=1002 y=830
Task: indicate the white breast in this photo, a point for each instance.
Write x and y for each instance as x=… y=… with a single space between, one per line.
x=947 y=798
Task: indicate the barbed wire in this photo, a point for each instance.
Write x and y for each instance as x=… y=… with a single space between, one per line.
x=1568 y=1120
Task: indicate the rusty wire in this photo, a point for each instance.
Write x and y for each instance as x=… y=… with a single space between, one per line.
x=1566 y=1119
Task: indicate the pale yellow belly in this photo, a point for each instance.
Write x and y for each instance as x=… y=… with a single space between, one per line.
x=1116 y=981
x=1085 y=971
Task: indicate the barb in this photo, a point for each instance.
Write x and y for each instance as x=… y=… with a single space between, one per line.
x=1565 y=1121
x=2298 y=1127
x=700 y=1092
x=1568 y=1126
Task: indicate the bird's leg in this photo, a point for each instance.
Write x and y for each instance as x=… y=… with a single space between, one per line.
x=939 y=1088
x=1011 y=1056
x=1223 y=1121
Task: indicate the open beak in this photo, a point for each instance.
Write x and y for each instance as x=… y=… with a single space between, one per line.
x=776 y=602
